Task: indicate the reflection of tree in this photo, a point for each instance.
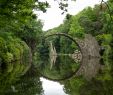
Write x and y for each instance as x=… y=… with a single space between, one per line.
x=63 y=68
x=57 y=67
x=29 y=84
x=13 y=83
x=9 y=74
x=77 y=86
x=73 y=85
x=88 y=69
x=102 y=84
x=96 y=87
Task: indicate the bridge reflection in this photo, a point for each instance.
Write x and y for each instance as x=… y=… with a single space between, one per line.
x=76 y=55
x=67 y=56
x=52 y=55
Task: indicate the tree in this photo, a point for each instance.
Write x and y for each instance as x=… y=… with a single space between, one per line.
x=31 y=33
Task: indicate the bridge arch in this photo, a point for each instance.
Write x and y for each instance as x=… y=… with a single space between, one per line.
x=74 y=72
x=89 y=48
x=66 y=35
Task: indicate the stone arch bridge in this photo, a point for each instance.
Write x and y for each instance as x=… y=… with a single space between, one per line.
x=89 y=48
x=88 y=45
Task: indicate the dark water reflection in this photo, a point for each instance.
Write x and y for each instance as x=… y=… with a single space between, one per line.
x=63 y=68
x=85 y=78
x=15 y=83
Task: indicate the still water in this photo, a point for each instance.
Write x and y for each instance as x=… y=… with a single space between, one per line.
x=64 y=77
x=62 y=71
x=58 y=69
x=52 y=88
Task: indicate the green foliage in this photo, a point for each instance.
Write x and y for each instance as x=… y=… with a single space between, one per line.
x=29 y=84
x=31 y=33
x=10 y=75
x=8 y=57
x=75 y=28
x=18 y=21
x=12 y=49
x=96 y=87
x=14 y=60
x=73 y=85
x=105 y=40
x=13 y=13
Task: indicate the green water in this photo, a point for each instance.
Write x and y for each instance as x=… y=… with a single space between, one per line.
x=63 y=77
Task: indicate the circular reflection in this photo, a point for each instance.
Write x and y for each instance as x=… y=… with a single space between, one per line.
x=60 y=58
x=63 y=68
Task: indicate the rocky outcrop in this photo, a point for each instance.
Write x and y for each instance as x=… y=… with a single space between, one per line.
x=89 y=46
x=90 y=57
x=89 y=68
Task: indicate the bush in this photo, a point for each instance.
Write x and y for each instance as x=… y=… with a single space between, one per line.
x=12 y=49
